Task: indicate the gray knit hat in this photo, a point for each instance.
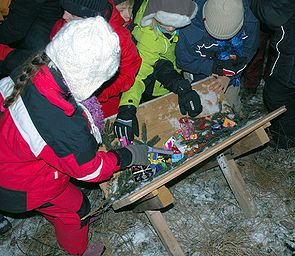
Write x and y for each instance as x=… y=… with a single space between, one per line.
x=176 y=13
x=223 y=19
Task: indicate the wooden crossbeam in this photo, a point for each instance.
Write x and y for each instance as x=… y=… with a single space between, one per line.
x=254 y=140
x=158 y=199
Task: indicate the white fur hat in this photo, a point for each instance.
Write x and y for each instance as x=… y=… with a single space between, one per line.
x=223 y=19
x=176 y=13
x=87 y=53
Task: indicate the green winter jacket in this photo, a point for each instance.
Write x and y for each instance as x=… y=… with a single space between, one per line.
x=152 y=45
x=140 y=12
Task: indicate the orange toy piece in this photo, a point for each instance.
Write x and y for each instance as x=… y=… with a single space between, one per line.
x=228 y=123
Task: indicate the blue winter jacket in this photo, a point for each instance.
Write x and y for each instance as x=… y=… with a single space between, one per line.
x=195 y=43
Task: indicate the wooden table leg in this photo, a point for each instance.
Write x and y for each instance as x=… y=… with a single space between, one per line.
x=237 y=184
x=160 y=225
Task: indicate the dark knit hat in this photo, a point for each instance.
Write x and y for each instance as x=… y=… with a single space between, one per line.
x=85 y=8
x=119 y=1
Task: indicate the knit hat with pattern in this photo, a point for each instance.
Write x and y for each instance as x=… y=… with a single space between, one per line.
x=223 y=19
x=85 y=8
x=87 y=53
x=176 y=13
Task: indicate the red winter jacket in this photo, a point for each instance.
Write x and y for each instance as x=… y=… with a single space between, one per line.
x=4 y=51
x=45 y=140
x=109 y=95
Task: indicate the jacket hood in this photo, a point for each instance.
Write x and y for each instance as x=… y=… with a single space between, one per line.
x=170 y=12
x=49 y=83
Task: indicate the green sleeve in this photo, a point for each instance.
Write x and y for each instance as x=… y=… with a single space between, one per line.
x=140 y=12
x=149 y=50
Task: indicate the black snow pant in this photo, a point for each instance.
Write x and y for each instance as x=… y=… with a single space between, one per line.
x=277 y=94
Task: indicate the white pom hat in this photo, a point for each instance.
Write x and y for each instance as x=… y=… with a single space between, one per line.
x=87 y=53
x=223 y=19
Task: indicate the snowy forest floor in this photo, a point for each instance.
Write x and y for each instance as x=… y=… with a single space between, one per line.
x=205 y=218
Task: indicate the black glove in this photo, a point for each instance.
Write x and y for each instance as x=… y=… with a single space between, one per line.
x=126 y=123
x=132 y=155
x=165 y=73
x=188 y=99
x=229 y=67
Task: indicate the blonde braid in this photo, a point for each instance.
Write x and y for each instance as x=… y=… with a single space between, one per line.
x=27 y=72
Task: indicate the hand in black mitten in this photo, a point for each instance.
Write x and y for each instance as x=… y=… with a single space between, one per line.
x=229 y=67
x=132 y=155
x=188 y=99
x=165 y=73
x=126 y=123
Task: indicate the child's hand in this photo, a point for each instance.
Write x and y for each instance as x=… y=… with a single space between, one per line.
x=126 y=123
x=132 y=155
x=220 y=84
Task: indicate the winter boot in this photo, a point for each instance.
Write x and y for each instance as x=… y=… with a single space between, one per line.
x=5 y=224
x=95 y=248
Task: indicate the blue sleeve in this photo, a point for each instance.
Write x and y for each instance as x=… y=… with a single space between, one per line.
x=252 y=30
x=187 y=56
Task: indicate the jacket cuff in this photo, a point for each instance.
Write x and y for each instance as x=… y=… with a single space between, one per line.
x=124 y=157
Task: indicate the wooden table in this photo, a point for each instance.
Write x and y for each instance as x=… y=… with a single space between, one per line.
x=160 y=117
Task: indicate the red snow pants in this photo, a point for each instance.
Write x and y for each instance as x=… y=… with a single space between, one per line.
x=63 y=213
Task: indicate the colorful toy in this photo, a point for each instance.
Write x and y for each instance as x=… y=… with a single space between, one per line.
x=187 y=129
x=125 y=142
x=142 y=173
x=216 y=127
x=160 y=160
x=228 y=123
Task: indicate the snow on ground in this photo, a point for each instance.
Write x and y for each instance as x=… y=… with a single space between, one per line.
x=205 y=218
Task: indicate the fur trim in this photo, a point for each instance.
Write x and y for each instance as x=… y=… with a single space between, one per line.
x=169 y=19
x=172 y=19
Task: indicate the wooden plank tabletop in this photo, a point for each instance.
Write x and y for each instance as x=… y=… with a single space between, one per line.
x=161 y=115
x=196 y=160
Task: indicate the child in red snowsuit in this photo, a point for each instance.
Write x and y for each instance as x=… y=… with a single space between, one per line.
x=50 y=129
